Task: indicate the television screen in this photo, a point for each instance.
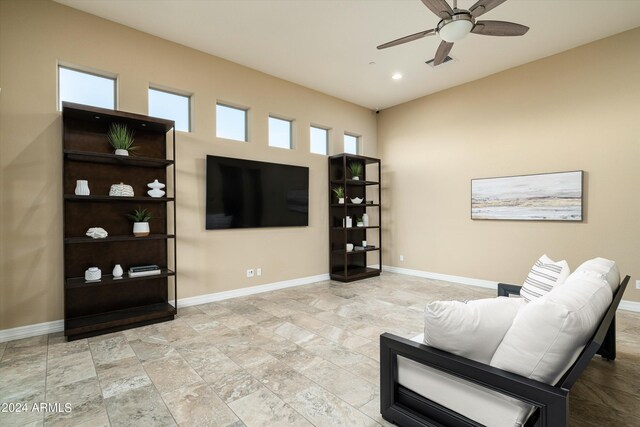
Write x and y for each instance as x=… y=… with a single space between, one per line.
x=249 y=194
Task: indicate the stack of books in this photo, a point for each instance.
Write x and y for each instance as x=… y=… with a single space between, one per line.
x=362 y=248
x=144 y=270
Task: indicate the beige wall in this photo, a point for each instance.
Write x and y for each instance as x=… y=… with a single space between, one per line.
x=34 y=35
x=576 y=110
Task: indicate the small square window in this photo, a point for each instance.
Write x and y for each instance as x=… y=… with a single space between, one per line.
x=351 y=144
x=319 y=140
x=171 y=106
x=86 y=88
x=231 y=123
x=280 y=133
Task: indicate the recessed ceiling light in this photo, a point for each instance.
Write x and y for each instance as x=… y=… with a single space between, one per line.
x=396 y=76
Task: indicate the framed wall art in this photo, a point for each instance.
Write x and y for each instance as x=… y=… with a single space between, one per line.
x=542 y=197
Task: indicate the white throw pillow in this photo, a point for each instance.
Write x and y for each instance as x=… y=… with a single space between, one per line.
x=473 y=329
x=544 y=275
x=549 y=333
x=607 y=268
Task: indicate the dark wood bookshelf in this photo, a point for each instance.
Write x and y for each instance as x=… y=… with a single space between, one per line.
x=110 y=199
x=118 y=320
x=108 y=305
x=108 y=158
x=355 y=182
x=107 y=279
x=354 y=265
x=355 y=251
x=355 y=228
x=354 y=205
x=76 y=240
x=354 y=273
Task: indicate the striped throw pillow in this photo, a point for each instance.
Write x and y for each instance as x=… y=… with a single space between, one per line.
x=544 y=275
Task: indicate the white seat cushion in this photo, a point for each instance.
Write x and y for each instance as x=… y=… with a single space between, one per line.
x=473 y=329
x=543 y=277
x=549 y=333
x=482 y=405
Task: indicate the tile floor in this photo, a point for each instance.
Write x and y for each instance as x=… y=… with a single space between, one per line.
x=299 y=356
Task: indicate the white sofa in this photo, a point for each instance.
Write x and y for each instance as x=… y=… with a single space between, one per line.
x=518 y=377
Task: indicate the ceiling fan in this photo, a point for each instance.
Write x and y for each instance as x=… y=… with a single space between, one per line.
x=456 y=23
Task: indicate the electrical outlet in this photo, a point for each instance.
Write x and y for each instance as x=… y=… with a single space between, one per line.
x=637 y=284
x=401 y=258
x=259 y=271
x=250 y=272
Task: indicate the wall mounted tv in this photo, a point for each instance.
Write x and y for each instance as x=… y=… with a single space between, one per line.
x=250 y=194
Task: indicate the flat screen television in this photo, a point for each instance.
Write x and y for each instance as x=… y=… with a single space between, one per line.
x=250 y=194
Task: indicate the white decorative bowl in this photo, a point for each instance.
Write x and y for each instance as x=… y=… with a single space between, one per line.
x=121 y=190
x=356 y=200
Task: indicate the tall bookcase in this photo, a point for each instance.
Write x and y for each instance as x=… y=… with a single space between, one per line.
x=344 y=265
x=115 y=304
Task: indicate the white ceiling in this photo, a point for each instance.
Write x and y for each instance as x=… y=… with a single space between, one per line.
x=328 y=45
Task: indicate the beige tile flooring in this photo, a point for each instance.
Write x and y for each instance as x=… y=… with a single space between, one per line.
x=299 y=356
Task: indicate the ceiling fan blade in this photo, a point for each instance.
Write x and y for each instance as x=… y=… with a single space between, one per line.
x=499 y=28
x=406 y=39
x=484 y=6
x=440 y=7
x=442 y=52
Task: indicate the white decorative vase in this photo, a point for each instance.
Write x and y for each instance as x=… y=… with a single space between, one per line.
x=365 y=220
x=92 y=273
x=348 y=222
x=349 y=247
x=117 y=272
x=156 y=187
x=140 y=229
x=82 y=187
x=341 y=200
x=121 y=152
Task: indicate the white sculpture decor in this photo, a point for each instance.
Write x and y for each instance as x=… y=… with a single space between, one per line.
x=97 y=233
x=82 y=187
x=117 y=272
x=92 y=274
x=156 y=187
x=121 y=190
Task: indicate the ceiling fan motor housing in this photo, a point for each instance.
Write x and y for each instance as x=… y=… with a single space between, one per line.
x=457 y=27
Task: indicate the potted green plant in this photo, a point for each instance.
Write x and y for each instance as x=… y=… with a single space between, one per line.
x=359 y=222
x=356 y=170
x=140 y=218
x=339 y=194
x=121 y=139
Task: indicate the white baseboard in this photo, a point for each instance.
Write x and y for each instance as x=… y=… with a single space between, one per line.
x=31 y=330
x=58 y=325
x=219 y=296
x=629 y=306
x=624 y=304
x=445 y=277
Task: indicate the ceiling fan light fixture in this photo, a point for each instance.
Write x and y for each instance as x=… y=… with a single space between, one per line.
x=456 y=30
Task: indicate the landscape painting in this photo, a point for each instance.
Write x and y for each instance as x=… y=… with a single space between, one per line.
x=542 y=197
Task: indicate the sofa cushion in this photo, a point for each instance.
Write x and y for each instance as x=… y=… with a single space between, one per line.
x=473 y=329
x=478 y=403
x=544 y=275
x=607 y=268
x=548 y=334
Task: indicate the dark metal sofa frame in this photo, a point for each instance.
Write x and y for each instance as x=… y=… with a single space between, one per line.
x=402 y=406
